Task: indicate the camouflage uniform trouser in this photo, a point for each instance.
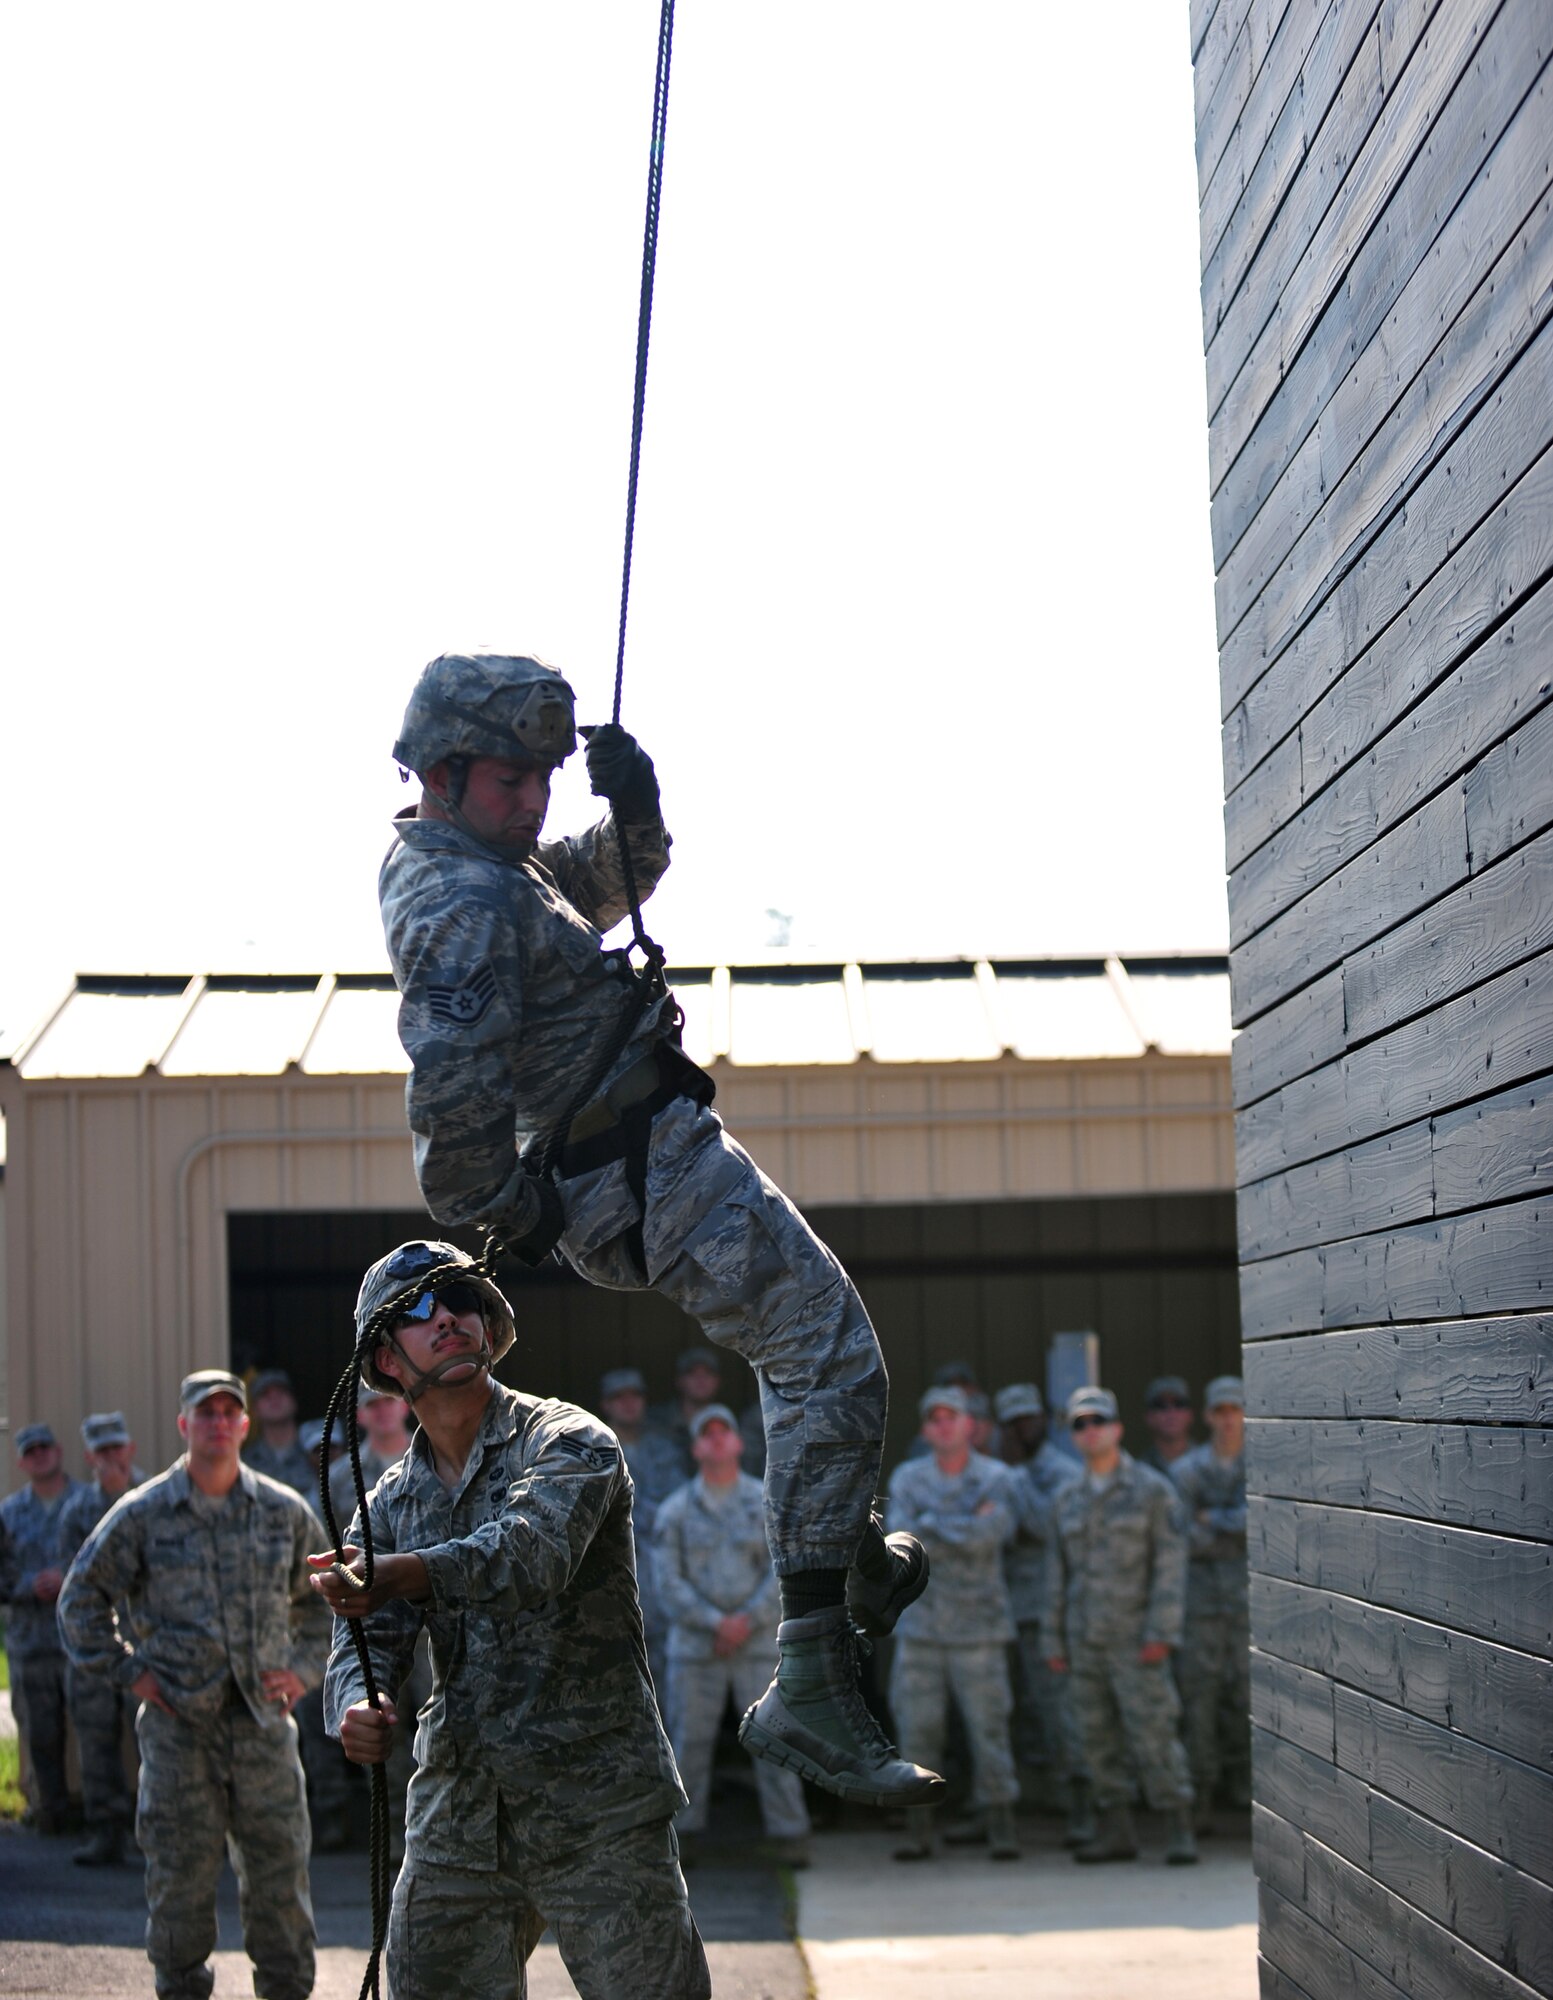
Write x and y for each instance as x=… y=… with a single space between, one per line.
x=99 y=1708
x=413 y=1694
x=922 y=1679
x=326 y=1765
x=698 y=1695
x=38 y=1704
x=728 y=1247
x=207 y=1789
x=618 y=1907
x=1214 y=1670
x=1049 y=1697
x=1129 y=1716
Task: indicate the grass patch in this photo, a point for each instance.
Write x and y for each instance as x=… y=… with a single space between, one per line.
x=12 y=1802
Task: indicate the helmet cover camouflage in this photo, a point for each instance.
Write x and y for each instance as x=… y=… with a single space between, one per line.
x=487 y=705
x=395 y=1277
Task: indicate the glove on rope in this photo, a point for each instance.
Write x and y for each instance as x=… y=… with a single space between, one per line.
x=620 y=770
x=536 y=1242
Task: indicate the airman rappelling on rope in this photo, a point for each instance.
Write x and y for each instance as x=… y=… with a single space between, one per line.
x=509 y=1000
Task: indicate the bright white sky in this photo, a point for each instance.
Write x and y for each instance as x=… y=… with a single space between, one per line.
x=320 y=341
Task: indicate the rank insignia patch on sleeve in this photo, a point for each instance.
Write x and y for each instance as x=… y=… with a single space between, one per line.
x=463 y=1005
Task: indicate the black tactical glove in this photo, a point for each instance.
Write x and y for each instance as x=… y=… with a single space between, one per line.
x=534 y=1245
x=620 y=770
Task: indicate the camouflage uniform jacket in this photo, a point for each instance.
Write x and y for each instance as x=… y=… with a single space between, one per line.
x=289 y=1464
x=342 y=1482
x=712 y=1560
x=83 y=1510
x=657 y=1470
x=1116 y=1563
x=1216 y=1488
x=507 y=996
x=1036 y=1484
x=33 y=1526
x=540 y=1690
x=963 y=1522
x=216 y=1593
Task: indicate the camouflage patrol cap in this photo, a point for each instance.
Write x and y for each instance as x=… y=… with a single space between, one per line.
x=30 y=1436
x=1019 y=1399
x=714 y=1413
x=1092 y=1402
x=622 y=1382
x=1166 y=1385
x=1224 y=1389
x=311 y=1435
x=108 y=1427
x=207 y=1382
x=394 y=1277
x=484 y=704
x=950 y=1396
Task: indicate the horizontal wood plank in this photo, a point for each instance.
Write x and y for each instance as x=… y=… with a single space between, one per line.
x=1494 y=922
x=1493 y=1150
x=1503 y=1913
x=1492 y=1371
x=1490 y=1477
x=1447 y=729
x=1449 y=337
x=1278 y=311
x=1509 y=795
x=1486 y=1797
x=1491 y=1261
x=1400 y=1943
x=1496 y=1695
x=1293 y=1704
x=1317 y=1961
x=1278 y=1852
x=1312 y=1792
x=1489 y=1587
x=1273 y=1984
x=1303 y=1032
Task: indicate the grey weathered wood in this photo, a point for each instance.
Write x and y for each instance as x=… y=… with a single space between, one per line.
x=1216 y=25
x=1221 y=117
x=1488 y=1798
x=1273 y=1984
x=1509 y=795
x=1496 y=1695
x=1489 y=1477
x=1312 y=1792
x=1265 y=151
x=1379 y=1185
x=1506 y=1915
x=1273 y=98
x=1487 y=1262
x=1485 y=1585
x=1235 y=316
x=1414 y=382
x=1278 y=1852
x=1281 y=310
x=1316 y=1959
x=1492 y=1371
x=1307 y=1030
x=1500 y=1032
x=1414 y=865
x=1494 y=921
x=1489 y=695
x=1400 y=1943
x=1293 y=1704
x=1495 y=1149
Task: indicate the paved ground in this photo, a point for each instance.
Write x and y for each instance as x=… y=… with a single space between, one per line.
x=966 y=1928
x=76 y=1934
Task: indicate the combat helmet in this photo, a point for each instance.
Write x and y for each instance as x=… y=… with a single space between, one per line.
x=487 y=705
x=395 y=1279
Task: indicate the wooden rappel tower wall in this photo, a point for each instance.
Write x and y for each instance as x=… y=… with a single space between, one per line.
x=1377 y=282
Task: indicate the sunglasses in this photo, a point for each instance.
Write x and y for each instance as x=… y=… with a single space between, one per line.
x=1170 y=1403
x=458 y=1298
x=1089 y=1423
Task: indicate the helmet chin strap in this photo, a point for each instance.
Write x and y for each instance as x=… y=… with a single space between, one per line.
x=502 y=850
x=440 y=1376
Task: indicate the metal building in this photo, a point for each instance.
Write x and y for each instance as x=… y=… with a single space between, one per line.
x=200 y=1168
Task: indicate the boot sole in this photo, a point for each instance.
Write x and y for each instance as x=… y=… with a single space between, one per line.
x=880 y=1624
x=855 y=1785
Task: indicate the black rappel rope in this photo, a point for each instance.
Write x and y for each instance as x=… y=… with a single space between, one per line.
x=650 y=984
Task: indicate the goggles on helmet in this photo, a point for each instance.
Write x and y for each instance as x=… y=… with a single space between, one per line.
x=456 y=1296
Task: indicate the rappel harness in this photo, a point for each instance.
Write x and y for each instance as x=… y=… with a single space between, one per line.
x=650 y=985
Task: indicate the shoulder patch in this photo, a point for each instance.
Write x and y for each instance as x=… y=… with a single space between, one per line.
x=461 y=1006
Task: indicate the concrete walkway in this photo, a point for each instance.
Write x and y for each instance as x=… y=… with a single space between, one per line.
x=962 y=1927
